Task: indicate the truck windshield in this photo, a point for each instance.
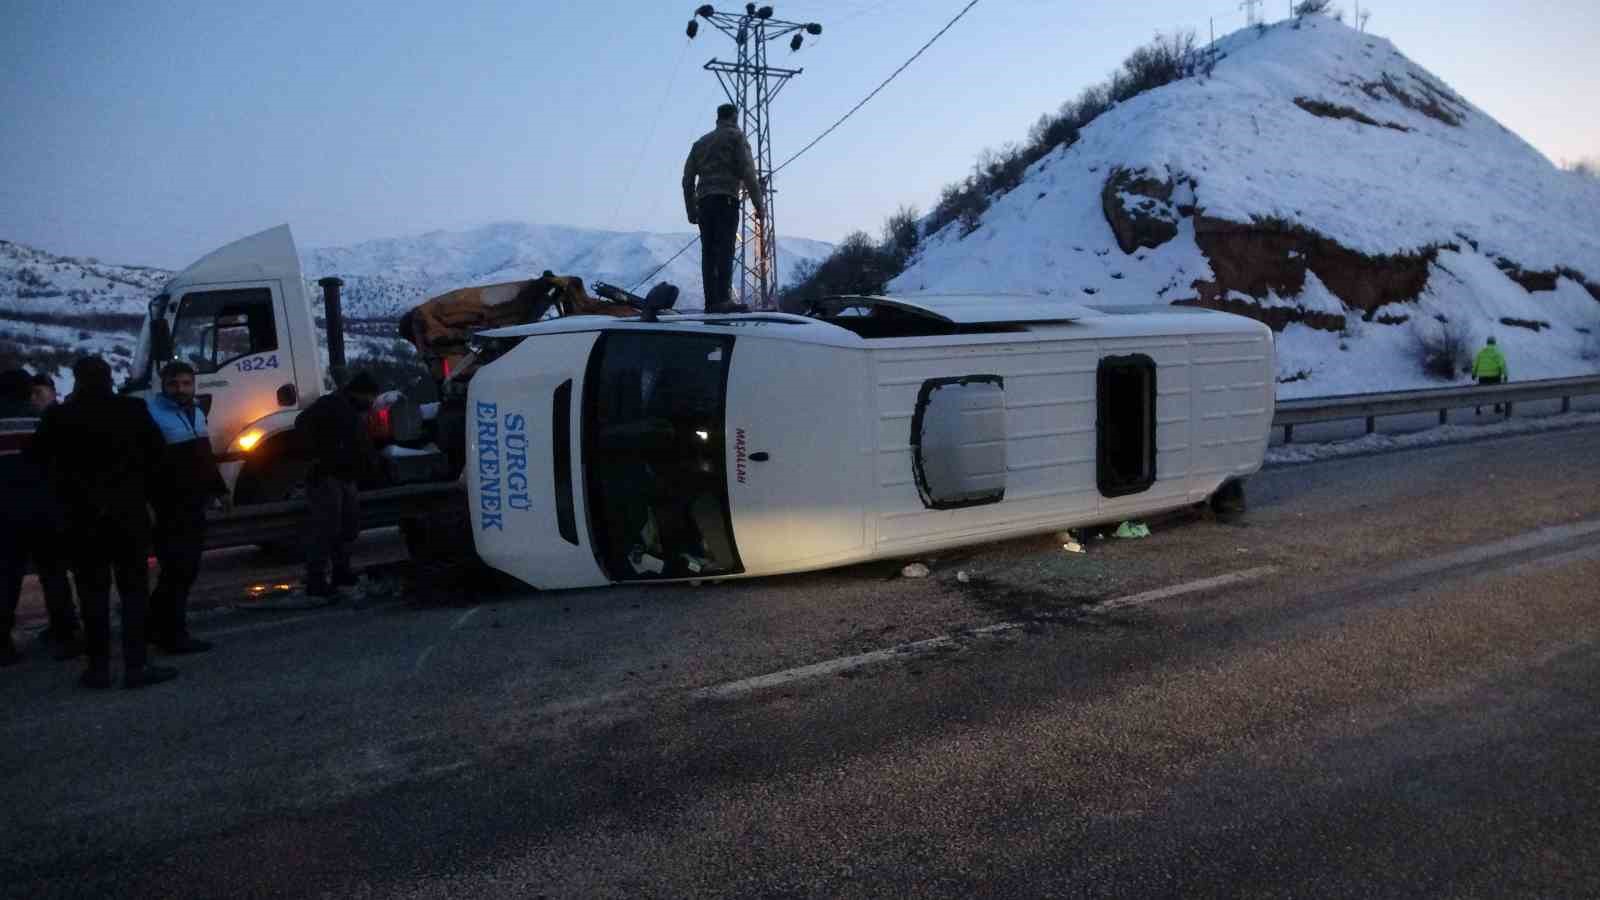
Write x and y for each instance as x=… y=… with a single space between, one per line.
x=654 y=456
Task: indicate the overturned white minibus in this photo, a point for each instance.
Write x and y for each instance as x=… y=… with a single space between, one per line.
x=697 y=447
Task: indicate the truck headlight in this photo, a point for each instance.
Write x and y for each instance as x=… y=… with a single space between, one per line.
x=248 y=441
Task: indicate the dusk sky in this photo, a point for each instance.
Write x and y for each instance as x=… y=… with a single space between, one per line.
x=151 y=131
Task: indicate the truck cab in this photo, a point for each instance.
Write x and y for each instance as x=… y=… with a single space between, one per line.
x=241 y=316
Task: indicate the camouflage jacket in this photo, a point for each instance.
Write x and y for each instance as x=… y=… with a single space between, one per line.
x=720 y=161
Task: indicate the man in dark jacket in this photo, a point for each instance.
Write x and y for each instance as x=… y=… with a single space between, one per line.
x=186 y=484
x=334 y=430
x=44 y=392
x=101 y=452
x=720 y=163
x=30 y=526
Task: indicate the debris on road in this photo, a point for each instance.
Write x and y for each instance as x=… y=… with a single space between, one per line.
x=914 y=570
x=1072 y=547
x=963 y=577
x=1132 y=530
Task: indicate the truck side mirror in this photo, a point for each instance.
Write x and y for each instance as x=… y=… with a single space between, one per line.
x=160 y=341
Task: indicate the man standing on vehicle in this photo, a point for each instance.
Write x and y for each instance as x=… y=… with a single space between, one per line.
x=1490 y=368
x=718 y=164
x=101 y=452
x=188 y=481
x=334 y=430
x=30 y=527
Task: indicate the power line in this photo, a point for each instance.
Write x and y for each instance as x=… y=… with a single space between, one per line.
x=649 y=136
x=640 y=282
x=831 y=128
x=892 y=76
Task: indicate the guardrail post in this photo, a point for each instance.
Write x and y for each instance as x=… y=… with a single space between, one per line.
x=1566 y=404
x=1508 y=410
x=1444 y=417
x=1288 y=434
x=1372 y=424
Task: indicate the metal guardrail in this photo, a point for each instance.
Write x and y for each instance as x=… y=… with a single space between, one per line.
x=1370 y=406
x=269 y=523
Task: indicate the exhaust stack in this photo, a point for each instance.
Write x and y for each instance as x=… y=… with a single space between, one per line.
x=333 y=315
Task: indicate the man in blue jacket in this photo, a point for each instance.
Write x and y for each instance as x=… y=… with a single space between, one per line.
x=185 y=483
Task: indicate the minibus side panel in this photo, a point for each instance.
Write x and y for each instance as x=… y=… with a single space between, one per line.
x=799 y=460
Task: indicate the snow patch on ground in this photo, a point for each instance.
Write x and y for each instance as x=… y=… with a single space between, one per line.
x=1290 y=454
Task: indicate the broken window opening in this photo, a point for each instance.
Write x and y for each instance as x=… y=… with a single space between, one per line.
x=1126 y=425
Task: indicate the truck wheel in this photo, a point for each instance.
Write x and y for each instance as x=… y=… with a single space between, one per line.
x=444 y=561
x=275 y=481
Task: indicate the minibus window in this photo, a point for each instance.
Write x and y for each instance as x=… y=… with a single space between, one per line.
x=654 y=456
x=1127 y=425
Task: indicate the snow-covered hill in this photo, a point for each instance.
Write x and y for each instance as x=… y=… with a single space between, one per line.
x=55 y=308
x=1319 y=180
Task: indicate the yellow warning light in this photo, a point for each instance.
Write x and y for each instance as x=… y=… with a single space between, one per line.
x=249 y=439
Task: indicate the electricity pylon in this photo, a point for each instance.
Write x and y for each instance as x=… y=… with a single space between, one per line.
x=752 y=85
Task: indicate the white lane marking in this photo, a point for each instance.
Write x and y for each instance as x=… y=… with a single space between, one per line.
x=281 y=623
x=422 y=659
x=845 y=663
x=465 y=617
x=951 y=641
x=1539 y=537
x=1178 y=590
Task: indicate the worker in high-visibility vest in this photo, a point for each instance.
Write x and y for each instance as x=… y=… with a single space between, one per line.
x=1490 y=368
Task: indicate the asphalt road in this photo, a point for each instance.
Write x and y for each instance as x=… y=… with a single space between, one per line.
x=1389 y=689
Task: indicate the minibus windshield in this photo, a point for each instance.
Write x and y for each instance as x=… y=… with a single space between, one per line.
x=654 y=455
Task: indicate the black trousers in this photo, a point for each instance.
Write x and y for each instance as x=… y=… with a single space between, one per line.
x=44 y=546
x=180 y=539
x=335 y=523
x=719 y=226
x=104 y=549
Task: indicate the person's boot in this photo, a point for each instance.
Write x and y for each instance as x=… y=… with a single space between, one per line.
x=97 y=676
x=8 y=652
x=145 y=675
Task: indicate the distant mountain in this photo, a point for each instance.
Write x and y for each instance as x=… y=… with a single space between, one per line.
x=56 y=308
x=385 y=277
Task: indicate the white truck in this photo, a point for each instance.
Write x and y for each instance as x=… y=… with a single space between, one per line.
x=241 y=316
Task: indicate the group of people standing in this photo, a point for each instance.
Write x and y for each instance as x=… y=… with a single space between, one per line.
x=103 y=480
x=95 y=484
